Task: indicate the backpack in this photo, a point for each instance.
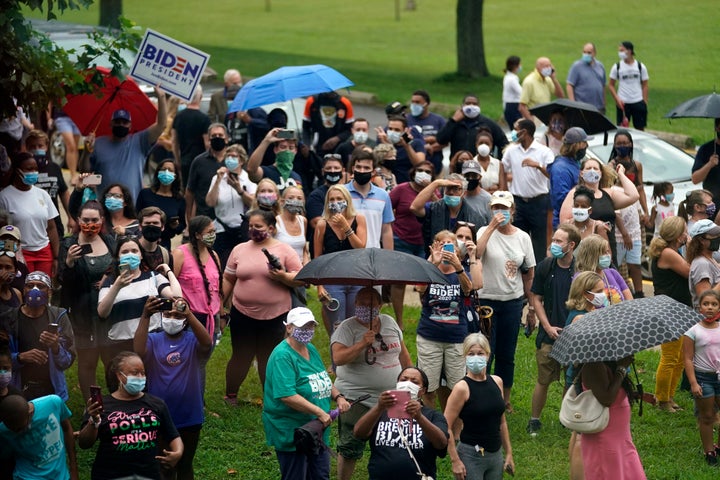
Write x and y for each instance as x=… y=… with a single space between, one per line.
x=617 y=69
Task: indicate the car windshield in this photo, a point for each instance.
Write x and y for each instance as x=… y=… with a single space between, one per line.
x=78 y=43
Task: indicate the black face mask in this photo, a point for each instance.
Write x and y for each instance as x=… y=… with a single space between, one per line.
x=120 y=131
x=217 y=144
x=714 y=244
x=458 y=168
x=362 y=178
x=151 y=233
x=332 y=177
x=389 y=164
x=473 y=184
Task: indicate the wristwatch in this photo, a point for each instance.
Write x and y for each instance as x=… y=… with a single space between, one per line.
x=335 y=399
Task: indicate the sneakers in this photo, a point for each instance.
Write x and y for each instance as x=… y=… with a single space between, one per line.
x=711 y=458
x=533 y=427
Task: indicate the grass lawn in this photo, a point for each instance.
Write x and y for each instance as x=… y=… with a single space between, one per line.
x=391 y=58
x=233 y=438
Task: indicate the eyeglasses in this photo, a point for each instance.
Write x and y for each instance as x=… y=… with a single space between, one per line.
x=114 y=195
x=461 y=223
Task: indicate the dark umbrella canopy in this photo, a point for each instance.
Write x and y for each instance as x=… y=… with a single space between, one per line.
x=706 y=106
x=617 y=331
x=577 y=114
x=369 y=266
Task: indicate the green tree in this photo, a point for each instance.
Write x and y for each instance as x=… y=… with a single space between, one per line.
x=470 y=44
x=34 y=71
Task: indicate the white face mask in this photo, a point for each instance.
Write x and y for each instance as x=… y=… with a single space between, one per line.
x=546 y=72
x=471 y=111
x=483 y=150
x=599 y=299
x=172 y=326
x=360 y=137
x=408 y=386
x=422 y=178
x=622 y=55
x=581 y=214
x=393 y=136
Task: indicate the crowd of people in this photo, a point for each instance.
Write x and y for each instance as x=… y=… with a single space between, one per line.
x=148 y=272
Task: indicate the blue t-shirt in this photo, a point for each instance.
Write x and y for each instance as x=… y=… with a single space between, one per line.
x=444 y=314
x=121 y=161
x=39 y=451
x=429 y=127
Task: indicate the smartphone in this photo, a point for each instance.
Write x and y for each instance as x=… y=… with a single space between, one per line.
x=448 y=247
x=124 y=267
x=166 y=305
x=398 y=410
x=96 y=394
x=406 y=137
x=286 y=134
x=53 y=328
x=85 y=249
x=92 y=180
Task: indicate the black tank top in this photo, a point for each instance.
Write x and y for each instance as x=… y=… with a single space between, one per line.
x=667 y=282
x=603 y=208
x=481 y=415
x=331 y=243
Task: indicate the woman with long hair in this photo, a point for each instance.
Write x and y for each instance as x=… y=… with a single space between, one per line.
x=292 y=224
x=622 y=154
x=457 y=161
x=120 y=216
x=593 y=255
x=267 y=197
x=704 y=269
x=165 y=194
x=697 y=205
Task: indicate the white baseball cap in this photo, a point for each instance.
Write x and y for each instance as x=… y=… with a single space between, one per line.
x=300 y=316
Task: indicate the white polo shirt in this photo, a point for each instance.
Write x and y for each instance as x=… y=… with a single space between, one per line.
x=527 y=182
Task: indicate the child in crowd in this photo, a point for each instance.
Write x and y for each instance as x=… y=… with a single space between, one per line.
x=628 y=237
x=701 y=349
x=582 y=209
x=662 y=197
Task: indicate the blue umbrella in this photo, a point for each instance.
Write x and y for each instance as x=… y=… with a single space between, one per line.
x=287 y=83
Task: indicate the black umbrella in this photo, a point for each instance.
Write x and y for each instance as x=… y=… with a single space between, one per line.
x=617 y=331
x=368 y=267
x=706 y=106
x=577 y=114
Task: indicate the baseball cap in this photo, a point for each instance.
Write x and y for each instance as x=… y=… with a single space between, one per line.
x=300 y=316
x=704 y=227
x=501 y=197
x=576 y=135
x=121 y=115
x=12 y=231
x=395 y=108
x=471 y=166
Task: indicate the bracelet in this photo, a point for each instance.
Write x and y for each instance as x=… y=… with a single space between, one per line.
x=531 y=308
x=460 y=271
x=472 y=263
x=335 y=399
x=349 y=232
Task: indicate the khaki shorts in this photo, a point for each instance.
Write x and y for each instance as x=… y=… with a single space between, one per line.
x=434 y=358
x=548 y=368
x=348 y=445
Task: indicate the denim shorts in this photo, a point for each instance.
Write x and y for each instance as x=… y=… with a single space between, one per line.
x=709 y=383
x=65 y=124
x=632 y=256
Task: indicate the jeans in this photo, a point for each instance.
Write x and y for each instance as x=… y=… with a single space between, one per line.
x=531 y=217
x=409 y=248
x=295 y=466
x=345 y=294
x=503 y=337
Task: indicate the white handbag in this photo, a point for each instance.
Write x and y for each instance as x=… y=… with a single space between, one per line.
x=583 y=413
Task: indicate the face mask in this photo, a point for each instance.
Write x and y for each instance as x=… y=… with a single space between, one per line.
x=90 y=228
x=513 y=136
x=120 y=131
x=209 y=239
x=151 y=233
x=483 y=150
x=462 y=249
x=587 y=57
x=88 y=194
x=580 y=214
x=232 y=163
x=476 y=363
x=557 y=251
x=332 y=177
x=591 y=176
x=266 y=199
x=473 y=184
x=422 y=178
x=714 y=245
x=669 y=197
x=218 y=144
x=546 y=72
x=599 y=300
x=36 y=298
x=5 y=378
x=181 y=107
x=337 y=207
x=471 y=111
x=710 y=210
x=113 y=204
x=623 y=151
x=360 y=137
x=557 y=126
x=393 y=136
x=284 y=162
x=506 y=214
x=302 y=335
x=166 y=177
x=365 y=314
x=172 y=326
x=580 y=154
x=295 y=206
x=622 y=55
x=416 y=109
x=408 y=386
x=451 y=200
x=39 y=153
x=362 y=178
x=258 y=235
x=40 y=157
x=604 y=261
x=134 y=385
x=132 y=259
x=30 y=178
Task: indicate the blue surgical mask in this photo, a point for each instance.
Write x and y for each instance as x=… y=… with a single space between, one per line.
x=587 y=57
x=393 y=136
x=669 y=197
x=134 y=385
x=416 y=109
x=476 y=363
x=513 y=136
x=166 y=177
x=30 y=178
x=604 y=261
x=557 y=251
x=232 y=163
x=113 y=204
x=132 y=259
x=452 y=200
x=506 y=214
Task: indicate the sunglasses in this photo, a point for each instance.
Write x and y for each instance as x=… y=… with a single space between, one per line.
x=465 y=224
x=7 y=253
x=334 y=156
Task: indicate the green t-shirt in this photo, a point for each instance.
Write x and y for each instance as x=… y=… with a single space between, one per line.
x=288 y=373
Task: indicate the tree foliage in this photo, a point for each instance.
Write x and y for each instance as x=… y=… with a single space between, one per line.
x=34 y=71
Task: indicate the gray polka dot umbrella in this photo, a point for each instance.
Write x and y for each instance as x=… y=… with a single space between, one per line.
x=617 y=331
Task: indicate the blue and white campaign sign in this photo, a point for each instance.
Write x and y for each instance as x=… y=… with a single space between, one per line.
x=174 y=66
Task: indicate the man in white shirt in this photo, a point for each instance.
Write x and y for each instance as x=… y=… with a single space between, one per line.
x=631 y=96
x=527 y=161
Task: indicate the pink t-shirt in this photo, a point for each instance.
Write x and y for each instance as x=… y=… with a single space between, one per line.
x=256 y=294
x=192 y=284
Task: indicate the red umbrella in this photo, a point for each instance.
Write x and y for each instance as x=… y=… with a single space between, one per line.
x=92 y=112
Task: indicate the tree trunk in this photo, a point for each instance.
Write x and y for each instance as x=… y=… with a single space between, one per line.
x=470 y=45
x=110 y=12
